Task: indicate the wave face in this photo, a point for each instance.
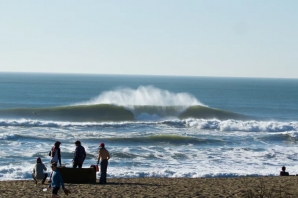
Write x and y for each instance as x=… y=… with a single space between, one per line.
x=107 y=112
x=82 y=113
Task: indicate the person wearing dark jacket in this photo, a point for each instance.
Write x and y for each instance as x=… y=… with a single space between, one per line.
x=79 y=155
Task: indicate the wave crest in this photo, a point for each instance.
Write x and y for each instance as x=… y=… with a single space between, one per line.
x=143 y=96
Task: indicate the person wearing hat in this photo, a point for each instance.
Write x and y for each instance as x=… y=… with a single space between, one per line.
x=55 y=153
x=38 y=173
x=104 y=156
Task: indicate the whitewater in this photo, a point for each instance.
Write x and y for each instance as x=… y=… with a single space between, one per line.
x=152 y=126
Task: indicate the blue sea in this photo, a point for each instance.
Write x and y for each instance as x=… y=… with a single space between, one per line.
x=153 y=126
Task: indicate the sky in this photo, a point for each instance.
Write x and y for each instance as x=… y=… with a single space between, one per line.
x=229 y=38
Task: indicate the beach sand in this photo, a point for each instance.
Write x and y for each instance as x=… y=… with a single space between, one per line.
x=164 y=187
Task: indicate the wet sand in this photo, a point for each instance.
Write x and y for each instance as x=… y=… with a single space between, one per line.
x=164 y=187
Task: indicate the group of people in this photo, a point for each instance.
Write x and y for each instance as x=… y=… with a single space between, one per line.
x=79 y=157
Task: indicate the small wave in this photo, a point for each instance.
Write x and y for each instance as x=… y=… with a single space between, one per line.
x=239 y=125
x=158 y=139
x=8 y=136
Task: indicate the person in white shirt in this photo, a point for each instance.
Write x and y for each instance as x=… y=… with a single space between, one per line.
x=55 y=153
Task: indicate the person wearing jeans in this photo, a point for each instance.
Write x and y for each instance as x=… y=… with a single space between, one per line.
x=104 y=156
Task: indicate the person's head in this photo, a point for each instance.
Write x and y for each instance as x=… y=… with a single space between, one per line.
x=102 y=145
x=54 y=165
x=283 y=168
x=38 y=160
x=77 y=143
x=57 y=144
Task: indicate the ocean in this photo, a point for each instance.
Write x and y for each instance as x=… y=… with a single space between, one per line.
x=153 y=126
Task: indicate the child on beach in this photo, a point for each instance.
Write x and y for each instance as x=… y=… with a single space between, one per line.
x=56 y=181
x=38 y=173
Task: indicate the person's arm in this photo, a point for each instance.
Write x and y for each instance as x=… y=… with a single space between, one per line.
x=34 y=168
x=98 y=156
x=75 y=156
x=84 y=154
x=44 y=167
x=108 y=155
x=59 y=156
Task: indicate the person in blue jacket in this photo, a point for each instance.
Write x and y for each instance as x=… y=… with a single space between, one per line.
x=56 y=181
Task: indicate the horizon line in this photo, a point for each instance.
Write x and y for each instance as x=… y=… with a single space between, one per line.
x=149 y=75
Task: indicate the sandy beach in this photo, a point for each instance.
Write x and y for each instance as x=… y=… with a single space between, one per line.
x=164 y=187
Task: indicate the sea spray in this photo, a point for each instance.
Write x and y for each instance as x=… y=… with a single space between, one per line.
x=144 y=96
x=147 y=101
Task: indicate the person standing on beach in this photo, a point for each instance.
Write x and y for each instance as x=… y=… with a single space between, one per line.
x=104 y=156
x=55 y=153
x=38 y=173
x=56 y=181
x=79 y=155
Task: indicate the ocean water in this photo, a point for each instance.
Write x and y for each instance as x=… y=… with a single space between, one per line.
x=153 y=126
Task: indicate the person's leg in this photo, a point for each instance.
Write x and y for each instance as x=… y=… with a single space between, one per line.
x=33 y=176
x=105 y=166
x=55 y=192
x=50 y=180
x=75 y=164
x=103 y=171
x=80 y=165
x=45 y=177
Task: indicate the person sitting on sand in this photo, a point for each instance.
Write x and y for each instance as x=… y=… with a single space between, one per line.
x=56 y=181
x=283 y=172
x=79 y=155
x=38 y=173
x=104 y=156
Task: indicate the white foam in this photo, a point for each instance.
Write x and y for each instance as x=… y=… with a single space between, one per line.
x=238 y=125
x=144 y=95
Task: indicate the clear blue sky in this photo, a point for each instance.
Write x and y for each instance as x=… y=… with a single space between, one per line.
x=239 y=38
